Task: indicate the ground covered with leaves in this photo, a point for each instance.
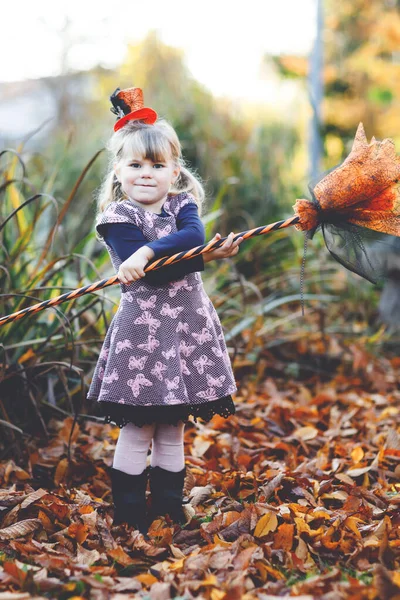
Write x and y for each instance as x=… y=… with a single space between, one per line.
x=298 y=494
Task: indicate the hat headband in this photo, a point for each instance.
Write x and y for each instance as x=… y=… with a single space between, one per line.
x=128 y=106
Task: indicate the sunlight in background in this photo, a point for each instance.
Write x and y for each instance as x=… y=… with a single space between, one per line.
x=223 y=41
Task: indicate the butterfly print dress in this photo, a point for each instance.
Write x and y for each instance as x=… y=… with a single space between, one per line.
x=164 y=356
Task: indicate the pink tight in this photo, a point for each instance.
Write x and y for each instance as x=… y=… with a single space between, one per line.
x=134 y=442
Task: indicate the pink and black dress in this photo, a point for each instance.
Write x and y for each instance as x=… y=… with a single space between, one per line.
x=164 y=356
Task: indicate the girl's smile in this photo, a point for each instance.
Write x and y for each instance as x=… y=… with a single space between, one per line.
x=146 y=182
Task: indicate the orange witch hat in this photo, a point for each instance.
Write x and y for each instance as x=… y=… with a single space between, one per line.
x=128 y=106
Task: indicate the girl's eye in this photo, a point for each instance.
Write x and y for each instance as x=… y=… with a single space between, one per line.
x=158 y=165
x=135 y=165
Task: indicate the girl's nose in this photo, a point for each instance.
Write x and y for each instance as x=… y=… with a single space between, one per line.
x=146 y=171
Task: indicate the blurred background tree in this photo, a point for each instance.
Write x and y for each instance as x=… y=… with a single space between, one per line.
x=361 y=73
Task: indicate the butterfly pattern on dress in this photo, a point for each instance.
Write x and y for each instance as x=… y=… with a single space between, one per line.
x=203 y=362
x=208 y=394
x=123 y=345
x=158 y=370
x=149 y=219
x=151 y=344
x=170 y=312
x=182 y=327
x=202 y=337
x=175 y=209
x=147 y=319
x=163 y=232
x=134 y=212
x=170 y=398
x=171 y=353
x=186 y=349
x=134 y=384
x=176 y=286
x=215 y=381
x=137 y=363
x=217 y=351
x=145 y=304
x=127 y=296
x=104 y=353
x=112 y=377
x=172 y=384
x=184 y=367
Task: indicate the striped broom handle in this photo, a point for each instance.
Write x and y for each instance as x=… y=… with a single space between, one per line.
x=156 y=264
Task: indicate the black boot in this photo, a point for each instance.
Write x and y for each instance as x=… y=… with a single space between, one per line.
x=129 y=495
x=166 y=488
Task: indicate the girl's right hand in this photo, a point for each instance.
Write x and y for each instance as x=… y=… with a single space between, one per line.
x=229 y=248
x=132 y=268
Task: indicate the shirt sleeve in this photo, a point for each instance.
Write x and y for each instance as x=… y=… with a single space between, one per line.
x=190 y=234
x=126 y=238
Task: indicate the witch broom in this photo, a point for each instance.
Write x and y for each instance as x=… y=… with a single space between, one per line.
x=356 y=203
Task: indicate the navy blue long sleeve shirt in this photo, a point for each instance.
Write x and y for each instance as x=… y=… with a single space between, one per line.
x=126 y=238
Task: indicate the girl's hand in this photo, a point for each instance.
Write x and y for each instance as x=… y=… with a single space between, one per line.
x=229 y=248
x=132 y=268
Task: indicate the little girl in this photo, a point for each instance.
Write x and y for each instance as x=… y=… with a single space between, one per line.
x=164 y=356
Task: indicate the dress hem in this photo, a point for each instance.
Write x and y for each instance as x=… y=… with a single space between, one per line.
x=122 y=414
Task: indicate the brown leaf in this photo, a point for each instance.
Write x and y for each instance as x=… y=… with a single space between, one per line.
x=20 y=529
x=200 y=493
x=33 y=497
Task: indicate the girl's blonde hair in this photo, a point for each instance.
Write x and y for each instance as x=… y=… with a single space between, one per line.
x=157 y=142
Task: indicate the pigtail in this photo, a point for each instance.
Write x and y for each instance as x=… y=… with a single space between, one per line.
x=109 y=191
x=188 y=182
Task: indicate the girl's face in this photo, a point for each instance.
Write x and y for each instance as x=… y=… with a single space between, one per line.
x=146 y=182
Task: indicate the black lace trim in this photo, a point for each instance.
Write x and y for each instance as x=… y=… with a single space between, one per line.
x=121 y=414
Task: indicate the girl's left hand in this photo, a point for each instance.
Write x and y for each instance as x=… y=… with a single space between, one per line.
x=229 y=248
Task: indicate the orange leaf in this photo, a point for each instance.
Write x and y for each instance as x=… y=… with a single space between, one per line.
x=86 y=509
x=46 y=522
x=79 y=531
x=18 y=574
x=283 y=539
x=120 y=556
x=146 y=578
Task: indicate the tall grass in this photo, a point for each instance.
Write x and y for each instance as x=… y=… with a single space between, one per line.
x=43 y=356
